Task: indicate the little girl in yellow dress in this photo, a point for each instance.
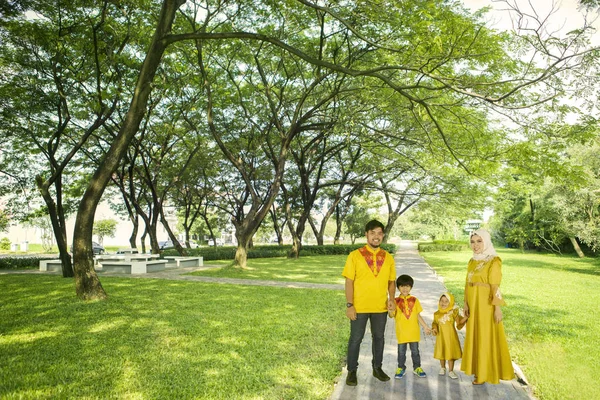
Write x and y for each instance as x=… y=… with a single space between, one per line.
x=447 y=345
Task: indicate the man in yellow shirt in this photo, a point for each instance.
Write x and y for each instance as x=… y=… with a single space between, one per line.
x=370 y=274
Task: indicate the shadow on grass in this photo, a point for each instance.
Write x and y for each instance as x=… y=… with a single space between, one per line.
x=167 y=339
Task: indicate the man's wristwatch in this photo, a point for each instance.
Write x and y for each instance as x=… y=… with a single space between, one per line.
x=348 y=305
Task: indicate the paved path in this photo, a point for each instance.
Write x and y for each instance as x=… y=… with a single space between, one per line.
x=428 y=287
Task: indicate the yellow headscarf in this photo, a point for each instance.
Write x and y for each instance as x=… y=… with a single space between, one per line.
x=450 y=298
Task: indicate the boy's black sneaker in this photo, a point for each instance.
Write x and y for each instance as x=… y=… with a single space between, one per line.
x=351 y=378
x=379 y=374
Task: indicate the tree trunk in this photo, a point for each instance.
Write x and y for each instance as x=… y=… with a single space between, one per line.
x=576 y=247
x=134 y=232
x=57 y=219
x=87 y=284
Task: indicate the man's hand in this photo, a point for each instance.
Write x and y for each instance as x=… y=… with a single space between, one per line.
x=351 y=313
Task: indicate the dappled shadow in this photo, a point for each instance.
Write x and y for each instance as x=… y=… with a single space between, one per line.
x=168 y=339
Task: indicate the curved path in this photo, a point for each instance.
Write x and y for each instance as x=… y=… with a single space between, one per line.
x=428 y=287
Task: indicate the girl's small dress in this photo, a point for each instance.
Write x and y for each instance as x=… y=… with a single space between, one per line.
x=447 y=345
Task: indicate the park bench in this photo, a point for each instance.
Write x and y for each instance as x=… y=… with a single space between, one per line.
x=50 y=265
x=181 y=262
x=133 y=266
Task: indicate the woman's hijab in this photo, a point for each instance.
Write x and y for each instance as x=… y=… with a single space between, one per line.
x=488 y=247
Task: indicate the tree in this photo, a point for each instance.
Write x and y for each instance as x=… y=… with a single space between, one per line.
x=103 y=228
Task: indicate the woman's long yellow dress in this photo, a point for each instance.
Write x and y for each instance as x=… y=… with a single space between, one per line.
x=485 y=352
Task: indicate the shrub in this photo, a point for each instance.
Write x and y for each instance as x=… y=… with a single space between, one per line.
x=228 y=252
x=5 y=243
x=443 y=245
x=27 y=262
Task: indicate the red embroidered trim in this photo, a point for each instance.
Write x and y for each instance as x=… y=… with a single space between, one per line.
x=406 y=305
x=368 y=256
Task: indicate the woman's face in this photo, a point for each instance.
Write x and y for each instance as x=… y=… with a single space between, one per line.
x=477 y=244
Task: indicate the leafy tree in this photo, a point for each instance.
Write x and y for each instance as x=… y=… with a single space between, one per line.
x=103 y=228
x=4 y=221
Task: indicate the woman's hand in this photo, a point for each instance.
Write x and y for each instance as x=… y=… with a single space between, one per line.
x=497 y=314
x=466 y=310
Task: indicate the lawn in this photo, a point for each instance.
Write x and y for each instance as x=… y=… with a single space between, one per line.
x=168 y=339
x=552 y=302
x=314 y=269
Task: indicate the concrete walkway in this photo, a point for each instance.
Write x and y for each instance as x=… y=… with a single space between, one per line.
x=428 y=288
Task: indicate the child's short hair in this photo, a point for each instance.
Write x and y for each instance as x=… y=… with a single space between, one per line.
x=404 y=280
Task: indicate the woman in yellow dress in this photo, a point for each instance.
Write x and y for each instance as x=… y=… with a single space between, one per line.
x=485 y=353
x=447 y=345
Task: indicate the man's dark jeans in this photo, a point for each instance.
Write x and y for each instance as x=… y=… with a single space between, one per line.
x=357 y=332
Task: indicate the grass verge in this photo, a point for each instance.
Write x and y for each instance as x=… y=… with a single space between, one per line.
x=168 y=339
x=550 y=318
x=313 y=269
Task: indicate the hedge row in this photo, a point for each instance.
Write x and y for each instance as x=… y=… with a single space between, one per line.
x=228 y=252
x=445 y=245
x=26 y=262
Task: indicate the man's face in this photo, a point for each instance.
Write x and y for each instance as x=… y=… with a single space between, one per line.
x=374 y=237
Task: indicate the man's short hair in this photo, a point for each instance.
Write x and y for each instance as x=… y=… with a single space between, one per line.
x=374 y=224
x=405 y=280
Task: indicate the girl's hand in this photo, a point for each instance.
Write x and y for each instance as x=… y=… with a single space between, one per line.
x=497 y=314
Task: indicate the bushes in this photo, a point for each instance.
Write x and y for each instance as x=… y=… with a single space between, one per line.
x=443 y=245
x=5 y=243
x=27 y=262
x=228 y=252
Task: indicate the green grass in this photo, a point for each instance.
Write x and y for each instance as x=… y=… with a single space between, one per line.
x=550 y=317
x=313 y=269
x=168 y=339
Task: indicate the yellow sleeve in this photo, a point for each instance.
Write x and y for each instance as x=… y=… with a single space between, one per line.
x=350 y=267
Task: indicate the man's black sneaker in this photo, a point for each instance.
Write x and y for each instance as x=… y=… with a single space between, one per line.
x=351 y=378
x=379 y=374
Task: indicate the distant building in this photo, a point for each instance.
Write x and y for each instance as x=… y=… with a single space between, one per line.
x=472 y=225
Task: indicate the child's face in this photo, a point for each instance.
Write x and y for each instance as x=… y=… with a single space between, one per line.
x=404 y=290
x=444 y=302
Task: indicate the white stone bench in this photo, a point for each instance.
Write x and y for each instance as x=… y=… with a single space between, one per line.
x=133 y=266
x=50 y=265
x=181 y=262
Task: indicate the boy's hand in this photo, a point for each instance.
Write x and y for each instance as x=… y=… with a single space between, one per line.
x=427 y=330
x=391 y=305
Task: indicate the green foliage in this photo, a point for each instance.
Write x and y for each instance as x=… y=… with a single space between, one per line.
x=152 y=336
x=4 y=221
x=104 y=227
x=23 y=262
x=443 y=245
x=228 y=252
x=5 y=243
x=550 y=316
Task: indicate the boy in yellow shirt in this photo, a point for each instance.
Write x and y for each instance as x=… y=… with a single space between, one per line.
x=407 y=313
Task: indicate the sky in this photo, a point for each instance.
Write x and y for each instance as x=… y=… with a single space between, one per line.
x=567 y=18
